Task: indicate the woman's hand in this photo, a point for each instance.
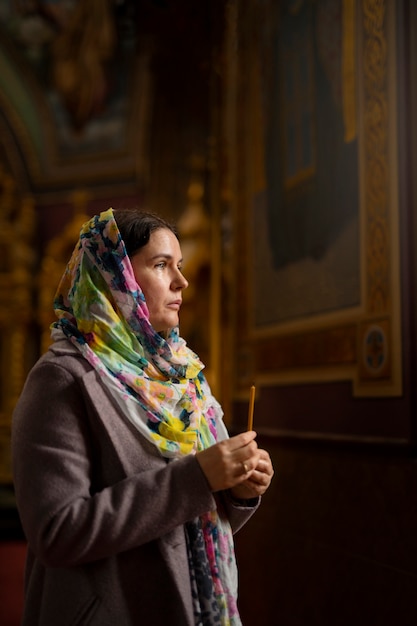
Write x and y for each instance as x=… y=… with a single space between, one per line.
x=258 y=481
x=237 y=461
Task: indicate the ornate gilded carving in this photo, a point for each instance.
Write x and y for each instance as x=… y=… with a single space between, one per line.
x=196 y=245
x=17 y=264
x=53 y=264
x=376 y=156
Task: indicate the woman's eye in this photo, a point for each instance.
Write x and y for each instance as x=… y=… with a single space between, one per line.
x=161 y=264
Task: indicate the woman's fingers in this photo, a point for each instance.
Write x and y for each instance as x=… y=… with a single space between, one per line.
x=240 y=441
x=265 y=463
x=237 y=462
x=230 y=462
x=264 y=471
x=258 y=480
x=254 y=459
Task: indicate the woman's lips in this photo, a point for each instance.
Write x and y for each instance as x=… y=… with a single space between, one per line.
x=174 y=305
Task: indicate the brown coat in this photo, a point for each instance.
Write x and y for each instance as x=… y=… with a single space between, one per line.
x=102 y=511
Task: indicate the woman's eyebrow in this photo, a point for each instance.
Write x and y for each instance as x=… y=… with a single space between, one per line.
x=163 y=255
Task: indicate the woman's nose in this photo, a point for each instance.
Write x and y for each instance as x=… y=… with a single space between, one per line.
x=180 y=281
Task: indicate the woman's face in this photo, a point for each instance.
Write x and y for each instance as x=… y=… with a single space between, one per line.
x=157 y=269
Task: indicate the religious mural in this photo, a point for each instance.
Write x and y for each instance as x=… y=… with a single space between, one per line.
x=307 y=214
x=313 y=83
x=74 y=81
x=81 y=54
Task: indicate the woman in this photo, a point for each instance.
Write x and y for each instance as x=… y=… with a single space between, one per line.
x=127 y=484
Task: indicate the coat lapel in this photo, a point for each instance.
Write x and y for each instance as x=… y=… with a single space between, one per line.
x=129 y=445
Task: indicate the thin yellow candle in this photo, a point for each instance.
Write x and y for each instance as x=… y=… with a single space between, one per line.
x=251 y=406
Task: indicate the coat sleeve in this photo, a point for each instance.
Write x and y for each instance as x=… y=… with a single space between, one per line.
x=240 y=512
x=68 y=522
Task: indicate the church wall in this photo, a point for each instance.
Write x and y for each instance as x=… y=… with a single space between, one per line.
x=334 y=540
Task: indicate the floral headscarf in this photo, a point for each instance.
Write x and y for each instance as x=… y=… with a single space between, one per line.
x=102 y=310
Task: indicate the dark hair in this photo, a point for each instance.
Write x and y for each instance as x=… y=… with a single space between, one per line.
x=136 y=226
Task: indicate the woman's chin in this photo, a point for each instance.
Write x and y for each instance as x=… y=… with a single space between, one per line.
x=164 y=326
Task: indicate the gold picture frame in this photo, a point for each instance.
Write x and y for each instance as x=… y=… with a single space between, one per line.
x=356 y=337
